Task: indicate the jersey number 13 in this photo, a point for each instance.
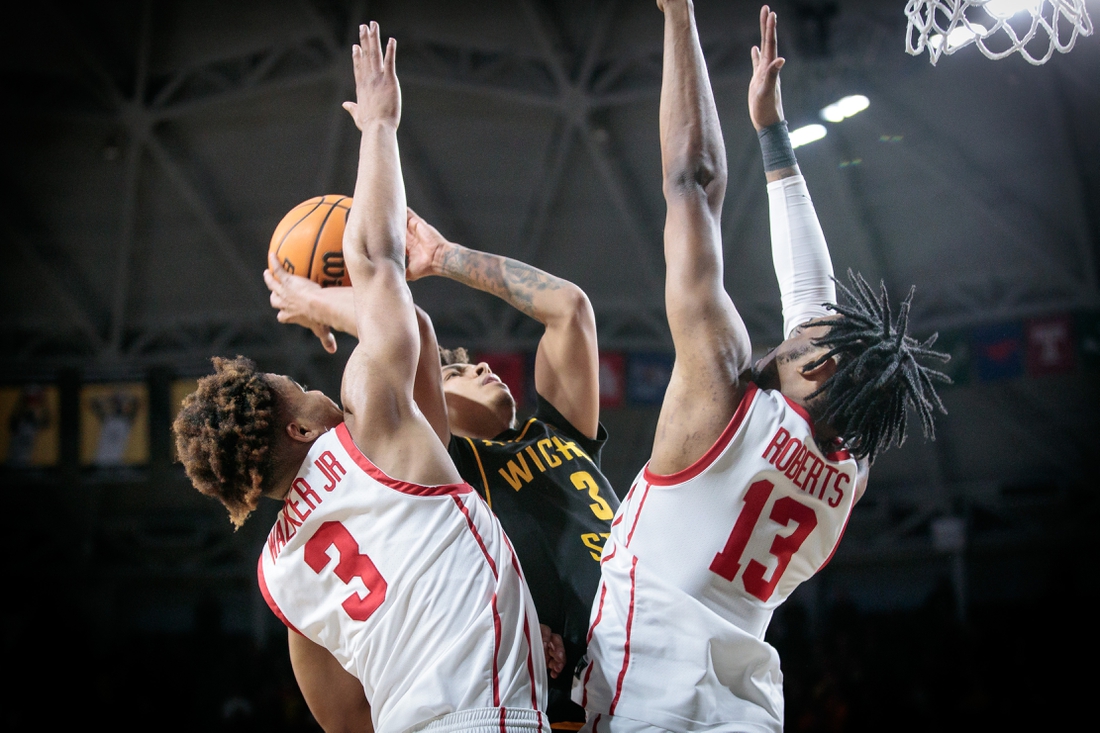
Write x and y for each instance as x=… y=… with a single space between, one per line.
x=727 y=563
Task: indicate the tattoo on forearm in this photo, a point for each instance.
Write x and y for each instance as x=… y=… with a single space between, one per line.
x=508 y=279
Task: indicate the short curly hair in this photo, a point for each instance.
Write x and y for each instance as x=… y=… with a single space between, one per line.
x=453 y=356
x=224 y=434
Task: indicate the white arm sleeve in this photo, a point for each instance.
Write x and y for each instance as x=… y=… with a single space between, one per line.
x=799 y=254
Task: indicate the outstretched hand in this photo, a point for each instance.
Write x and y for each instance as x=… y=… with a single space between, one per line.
x=290 y=295
x=377 y=93
x=765 y=102
x=423 y=246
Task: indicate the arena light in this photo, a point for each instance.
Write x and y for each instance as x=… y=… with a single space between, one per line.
x=844 y=108
x=807 y=134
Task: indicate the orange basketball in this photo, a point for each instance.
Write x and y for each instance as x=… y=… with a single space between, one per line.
x=309 y=240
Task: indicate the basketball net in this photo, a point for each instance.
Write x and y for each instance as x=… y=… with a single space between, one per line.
x=945 y=26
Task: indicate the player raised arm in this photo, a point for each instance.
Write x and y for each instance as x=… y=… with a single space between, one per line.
x=567 y=359
x=799 y=252
x=712 y=344
x=378 y=381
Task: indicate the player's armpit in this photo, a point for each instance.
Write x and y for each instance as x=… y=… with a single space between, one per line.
x=334 y=696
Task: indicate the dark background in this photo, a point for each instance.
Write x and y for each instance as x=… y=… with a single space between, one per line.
x=152 y=148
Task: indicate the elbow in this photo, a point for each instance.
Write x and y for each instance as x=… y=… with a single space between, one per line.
x=578 y=308
x=696 y=174
x=572 y=310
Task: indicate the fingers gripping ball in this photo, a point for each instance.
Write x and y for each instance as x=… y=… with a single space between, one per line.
x=309 y=240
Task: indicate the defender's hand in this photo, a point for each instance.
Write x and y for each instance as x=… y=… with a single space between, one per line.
x=423 y=245
x=377 y=93
x=765 y=102
x=290 y=295
x=554 y=648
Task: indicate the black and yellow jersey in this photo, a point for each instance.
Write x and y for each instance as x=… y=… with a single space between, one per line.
x=543 y=482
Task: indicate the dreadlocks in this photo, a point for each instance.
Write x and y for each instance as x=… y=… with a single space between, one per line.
x=878 y=372
x=224 y=434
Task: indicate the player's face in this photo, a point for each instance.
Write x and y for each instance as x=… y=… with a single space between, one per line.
x=312 y=406
x=478 y=402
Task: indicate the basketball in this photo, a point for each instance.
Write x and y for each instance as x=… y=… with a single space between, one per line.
x=309 y=240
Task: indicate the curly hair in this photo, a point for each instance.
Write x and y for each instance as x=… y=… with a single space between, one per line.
x=224 y=433
x=879 y=372
x=453 y=356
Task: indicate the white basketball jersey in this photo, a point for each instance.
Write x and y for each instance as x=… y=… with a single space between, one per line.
x=695 y=566
x=414 y=589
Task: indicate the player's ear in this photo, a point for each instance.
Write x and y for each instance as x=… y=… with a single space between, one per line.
x=304 y=431
x=821 y=372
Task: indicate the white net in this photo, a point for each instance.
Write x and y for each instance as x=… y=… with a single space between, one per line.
x=1034 y=28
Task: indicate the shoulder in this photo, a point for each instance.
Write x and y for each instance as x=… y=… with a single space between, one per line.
x=549 y=415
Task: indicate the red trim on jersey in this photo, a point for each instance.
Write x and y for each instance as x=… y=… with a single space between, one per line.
x=800 y=410
x=613 y=551
x=271 y=601
x=836 y=456
x=587 y=641
x=626 y=501
x=839 y=537
x=477 y=536
x=637 y=514
x=496 y=651
x=715 y=450
x=515 y=558
x=599 y=614
x=584 y=688
x=380 y=476
x=626 y=646
x=503 y=729
x=596 y=722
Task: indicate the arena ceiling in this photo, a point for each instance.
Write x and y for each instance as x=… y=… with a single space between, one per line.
x=154 y=146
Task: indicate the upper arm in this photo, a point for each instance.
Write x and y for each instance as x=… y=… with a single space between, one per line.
x=379 y=374
x=567 y=370
x=334 y=696
x=428 y=384
x=711 y=342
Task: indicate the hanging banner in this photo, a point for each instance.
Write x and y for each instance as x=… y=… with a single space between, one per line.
x=114 y=424
x=30 y=435
x=509 y=366
x=1050 y=346
x=998 y=351
x=612 y=379
x=647 y=377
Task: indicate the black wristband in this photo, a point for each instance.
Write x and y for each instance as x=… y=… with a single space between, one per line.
x=775 y=144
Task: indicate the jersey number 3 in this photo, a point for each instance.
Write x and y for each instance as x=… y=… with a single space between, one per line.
x=727 y=563
x=352 y=564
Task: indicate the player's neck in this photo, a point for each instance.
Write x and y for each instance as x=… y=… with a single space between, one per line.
x=477 y=421
x=292 y=454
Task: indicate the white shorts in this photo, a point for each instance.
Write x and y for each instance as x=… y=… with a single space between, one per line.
x=490 y=720
x=618 y=724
